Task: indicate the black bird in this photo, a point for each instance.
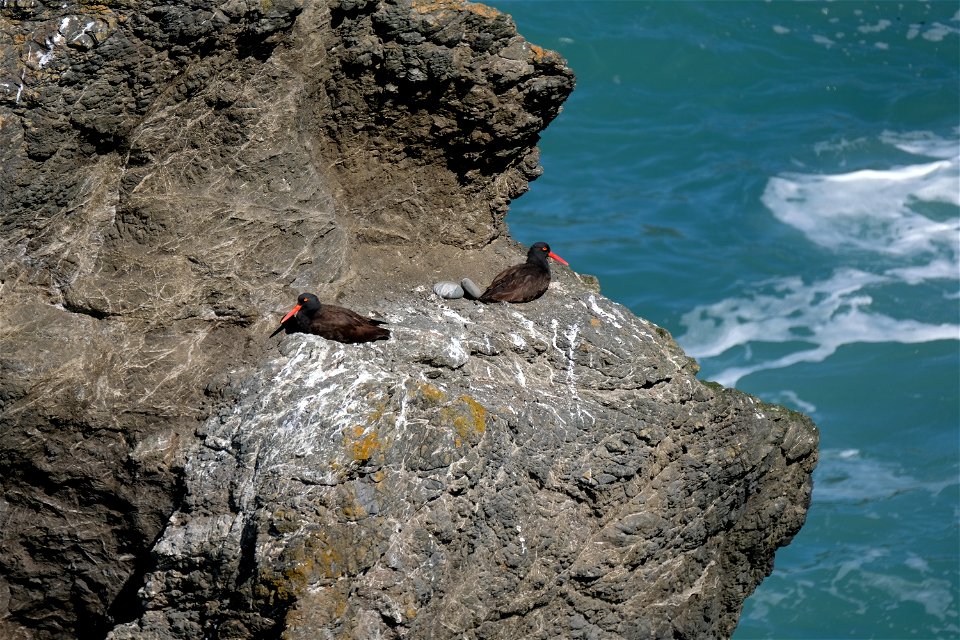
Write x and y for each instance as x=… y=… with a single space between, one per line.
x=330 y=322
x=523 y=282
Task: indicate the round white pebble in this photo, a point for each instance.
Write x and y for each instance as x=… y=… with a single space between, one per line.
x=448 y=290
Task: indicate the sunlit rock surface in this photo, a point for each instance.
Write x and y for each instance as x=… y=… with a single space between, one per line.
x=171 y=176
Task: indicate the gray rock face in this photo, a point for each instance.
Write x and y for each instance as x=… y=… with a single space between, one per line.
x=171 y=175
x=539 y=471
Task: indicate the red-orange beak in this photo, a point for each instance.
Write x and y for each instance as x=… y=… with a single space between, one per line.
x=558 y=258
x=293 y=312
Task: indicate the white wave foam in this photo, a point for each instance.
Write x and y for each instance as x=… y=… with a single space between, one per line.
x=823 y=40
x=932 y=594
x=877 y=212
x=824 y=315
x=874 y=28
x=854 y=584
x=872 y=210
x=917 y=563
x=938 y=268
x=832 y=146
x=922 y=143
x=848 y=476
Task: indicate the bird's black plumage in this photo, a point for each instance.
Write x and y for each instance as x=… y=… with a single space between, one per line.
x=523 y=282
x=331 y=322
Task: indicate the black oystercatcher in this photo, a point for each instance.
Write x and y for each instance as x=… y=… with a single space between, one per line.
x=330 y=322
x=523 y=282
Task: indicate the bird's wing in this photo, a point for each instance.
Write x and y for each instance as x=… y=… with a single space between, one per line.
x=341 y=316
x=518 y=284
x=506 y=275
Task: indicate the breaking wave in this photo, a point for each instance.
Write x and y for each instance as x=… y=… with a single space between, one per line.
x=894 y=227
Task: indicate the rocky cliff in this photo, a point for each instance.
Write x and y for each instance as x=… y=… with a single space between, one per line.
x=171 y=176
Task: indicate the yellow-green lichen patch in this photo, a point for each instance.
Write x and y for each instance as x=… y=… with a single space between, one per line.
x=431 y=6
x=286 y=585
x=284 y=521
x=323 y=608
x=378 y=413
x=478 y=414
x=350 y=507
x=539 y=53
x=305 y=561
x=431 y=394
x=468 y=419
x=482 y=10
x=362 y=443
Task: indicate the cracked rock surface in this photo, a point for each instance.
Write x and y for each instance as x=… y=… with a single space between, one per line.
x=171 y=176
x=544 y=471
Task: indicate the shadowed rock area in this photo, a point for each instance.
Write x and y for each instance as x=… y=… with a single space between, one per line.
x=171 y=176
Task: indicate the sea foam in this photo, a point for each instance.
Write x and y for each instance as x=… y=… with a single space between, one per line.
x=872 y=210
x=886 y=227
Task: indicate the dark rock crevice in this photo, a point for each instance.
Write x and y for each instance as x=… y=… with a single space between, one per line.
x=127 y=605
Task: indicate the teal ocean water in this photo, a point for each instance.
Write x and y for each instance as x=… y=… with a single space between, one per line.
x=778 y=184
